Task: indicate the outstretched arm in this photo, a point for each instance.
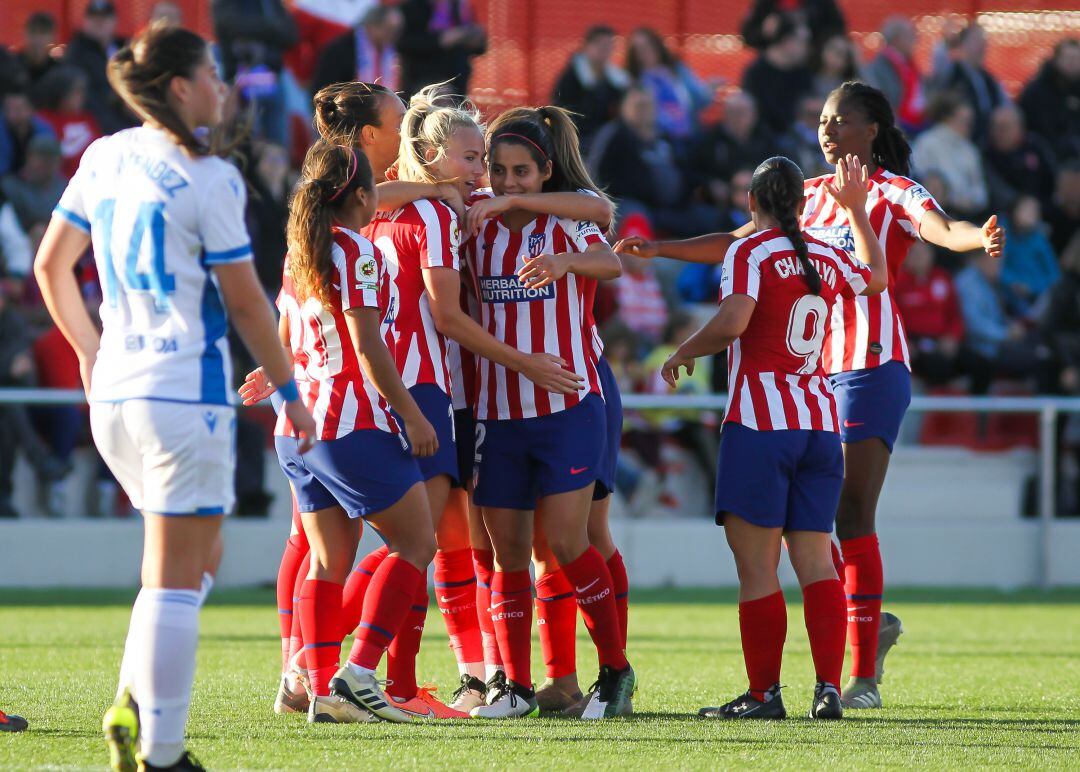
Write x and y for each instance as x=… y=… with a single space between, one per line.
x=727 y=324
x=709 y=248
x=961 y=235
x=570 y=205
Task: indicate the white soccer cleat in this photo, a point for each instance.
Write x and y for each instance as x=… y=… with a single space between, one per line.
x=364 y=691
x=337 y=710
x=507 y=700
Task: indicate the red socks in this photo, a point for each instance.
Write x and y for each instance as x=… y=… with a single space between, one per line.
x=387 y=602
x=296 y=637
x=591 y=582
x=320 y=619
x=455 y=592
x=511 y=615
x=863 y=582
x=825 y=615
x=556 y=615
x=352 y=599
x=296 y=549
x=621 y=583
x=401 y=657
x=484 y=565
x=763 y=625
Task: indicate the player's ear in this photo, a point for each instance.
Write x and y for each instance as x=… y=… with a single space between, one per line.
x=871 y=132
x=751 y=202
x=430 y=154
x=546 y=171
x=179 y=88
x=367 y=135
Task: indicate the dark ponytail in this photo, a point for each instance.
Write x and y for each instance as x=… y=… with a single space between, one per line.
x=329 y=174
x=890 y=150
x=777 y=187
x=141 y=72
x=342 y=110
x=550 y=136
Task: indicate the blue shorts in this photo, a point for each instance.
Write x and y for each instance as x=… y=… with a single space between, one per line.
x=465 y=438
x=872 y=402
x=437 y=408
x=786 y=479
x=605 y=478
x=520 y=461
x=364 y=472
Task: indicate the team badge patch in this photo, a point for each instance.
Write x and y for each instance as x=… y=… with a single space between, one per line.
x=536 y=244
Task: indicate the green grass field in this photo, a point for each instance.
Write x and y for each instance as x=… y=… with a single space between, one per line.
x=979 y=679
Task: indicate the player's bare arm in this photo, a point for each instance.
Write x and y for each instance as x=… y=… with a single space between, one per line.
x=596 y=262
x=727 y=324
x=961 y=235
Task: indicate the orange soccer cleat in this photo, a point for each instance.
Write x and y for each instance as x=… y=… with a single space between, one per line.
x=425 y=705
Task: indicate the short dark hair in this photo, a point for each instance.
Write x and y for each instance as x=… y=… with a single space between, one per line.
x=599 y=31
x=40 y=21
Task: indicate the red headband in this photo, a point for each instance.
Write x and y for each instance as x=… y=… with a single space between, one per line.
x=352 y=173
x=521 y=136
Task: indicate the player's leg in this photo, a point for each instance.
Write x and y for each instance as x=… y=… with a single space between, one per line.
x=455 y=587
x=871 y=406
x=12 y=723
x=406 y=528
x=292 y=696
x=556 y=618
x=484 y=564
x=601 y=538
x=511 y=613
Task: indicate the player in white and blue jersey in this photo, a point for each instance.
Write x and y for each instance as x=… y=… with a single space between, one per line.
x=165 y=218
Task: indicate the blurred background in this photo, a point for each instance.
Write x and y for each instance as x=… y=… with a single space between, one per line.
x=678 y=101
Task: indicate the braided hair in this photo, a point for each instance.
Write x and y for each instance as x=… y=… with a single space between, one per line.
x=890 y=150
x=777 y=187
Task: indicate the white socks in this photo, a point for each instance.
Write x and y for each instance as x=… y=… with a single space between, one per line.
x=159 y=667
x=475 y=669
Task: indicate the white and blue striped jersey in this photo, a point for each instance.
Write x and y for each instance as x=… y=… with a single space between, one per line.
x=159 y=221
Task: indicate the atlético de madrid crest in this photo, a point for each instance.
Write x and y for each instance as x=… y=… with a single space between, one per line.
x=536 y=243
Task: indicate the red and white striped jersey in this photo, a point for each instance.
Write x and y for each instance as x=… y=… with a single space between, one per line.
x=775 y=378
x=553 y=319
x=461 y=362
x=868 y=331
x=325 y=365
x=423 y=234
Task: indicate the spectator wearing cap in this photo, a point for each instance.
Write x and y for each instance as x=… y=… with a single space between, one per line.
x=36 y=56
x=679 y=94
x=63 y=97
x=1017 y=161
x=948 y=149
x=18 y=125
x=962 y=71
x=253 y=36
x=591 y=85
x=1051 y=101
x=780 y=76
x=367 y=53
x=36 y=189
x=439 y=40
x=894 y=72
x=89 y=51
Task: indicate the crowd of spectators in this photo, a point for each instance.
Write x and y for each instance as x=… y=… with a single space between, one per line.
x=675 y=148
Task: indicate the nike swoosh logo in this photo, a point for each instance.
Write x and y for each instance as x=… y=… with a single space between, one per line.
x=445 y=599
x=590 y=584
x=853 y=424
x=501 y=603
x=578 y=469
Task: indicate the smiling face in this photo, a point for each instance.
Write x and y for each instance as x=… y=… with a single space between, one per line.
x=843 y=130
x=462 y=159
x=513 y=171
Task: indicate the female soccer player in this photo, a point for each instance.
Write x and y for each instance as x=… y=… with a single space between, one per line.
x=537 y=452
x=337 y=325
x=865 y=349
x=166 y=220
x=780 y=464
x=420 y=243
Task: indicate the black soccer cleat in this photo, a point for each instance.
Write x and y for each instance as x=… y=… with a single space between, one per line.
x=12 y=723
x=747 y=706
x=826 y=702
x=186 y=763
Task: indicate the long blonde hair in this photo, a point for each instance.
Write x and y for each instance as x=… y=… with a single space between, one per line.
x=429 y=123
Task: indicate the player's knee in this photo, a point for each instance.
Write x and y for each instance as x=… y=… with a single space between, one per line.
x=512 y=552
x=329 y=564
x=855 y=516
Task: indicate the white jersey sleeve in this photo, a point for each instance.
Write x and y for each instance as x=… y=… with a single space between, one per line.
x=221 y=222
x=73 y=205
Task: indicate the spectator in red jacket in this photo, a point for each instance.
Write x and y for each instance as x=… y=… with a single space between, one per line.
x=64 y=109
x=935 y=327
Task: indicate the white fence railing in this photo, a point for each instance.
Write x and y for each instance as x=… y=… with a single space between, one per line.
x=1048 y=410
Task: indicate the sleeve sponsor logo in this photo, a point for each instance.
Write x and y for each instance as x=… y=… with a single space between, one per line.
x=509 y=289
